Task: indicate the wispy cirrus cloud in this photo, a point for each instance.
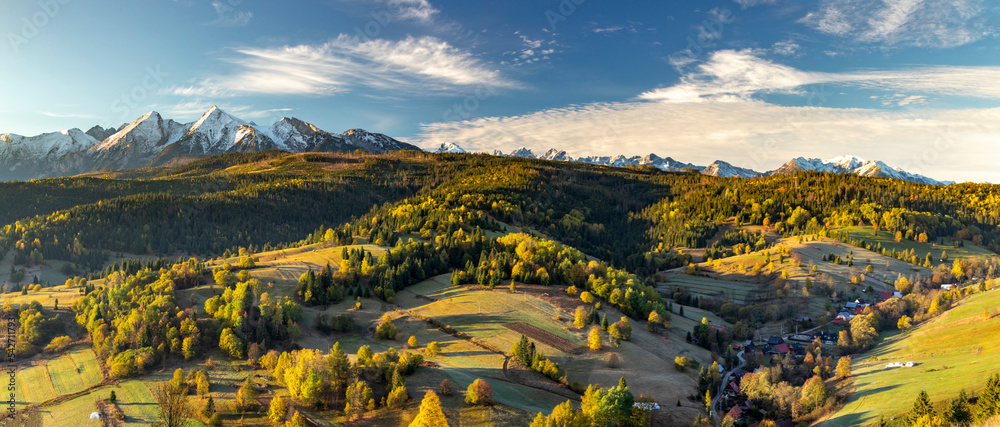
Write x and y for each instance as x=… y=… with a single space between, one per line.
x=68 y=115
x=424 y=65
x=739 y=75
x=893 y=23
x=230 y=16
x=418 y=10
x=746 y=4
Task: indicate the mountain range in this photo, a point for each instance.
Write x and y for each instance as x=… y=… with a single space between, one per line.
x=152 y=140
x=844 y=164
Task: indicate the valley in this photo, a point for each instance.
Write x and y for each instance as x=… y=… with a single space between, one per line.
x=250 y=266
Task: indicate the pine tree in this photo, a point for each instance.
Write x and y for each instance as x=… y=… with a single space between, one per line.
x=209 y=409
x=957 y=412
x=921 y=407
x=988 y=404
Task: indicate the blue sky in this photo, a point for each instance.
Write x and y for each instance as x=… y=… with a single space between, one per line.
x=915 y=83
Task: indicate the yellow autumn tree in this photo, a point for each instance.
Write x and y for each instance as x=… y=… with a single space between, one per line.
x=594 y=340
x=430 y=414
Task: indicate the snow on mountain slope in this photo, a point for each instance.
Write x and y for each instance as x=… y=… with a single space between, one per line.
x=152 y=140
x=46 y=144
x=450 y=147
x=296 y=135
x=557 y=155
x=853 y=165
x=375 y=142
x=217 y=132
x=523 y=152
x=23 y=157
x=724 y=169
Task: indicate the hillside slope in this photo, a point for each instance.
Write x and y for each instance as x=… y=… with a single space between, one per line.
x=952 y=352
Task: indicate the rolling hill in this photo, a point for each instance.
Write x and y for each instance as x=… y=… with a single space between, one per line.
x=952 y=352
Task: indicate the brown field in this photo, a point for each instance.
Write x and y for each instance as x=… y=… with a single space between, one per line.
x=544 y=337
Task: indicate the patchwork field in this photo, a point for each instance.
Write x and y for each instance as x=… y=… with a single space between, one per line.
x=646 y=361
x=733 y=279
x=947 y=361
x=968 y=250
x=70 y=373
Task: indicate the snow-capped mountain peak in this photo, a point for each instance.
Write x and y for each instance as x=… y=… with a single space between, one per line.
x=450 y=147
x=847 y=162
x=557 y=155
x=852 y=165
x=523 y=152
x=724 y=169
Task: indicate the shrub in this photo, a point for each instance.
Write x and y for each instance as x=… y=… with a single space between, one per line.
x=445 y=387
x=680 y=363
x=433 y=349
x=386 y=330
x=58 y=344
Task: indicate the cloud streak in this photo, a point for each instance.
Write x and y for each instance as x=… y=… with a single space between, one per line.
x=894 y=23
x=421 y=65
x=739 y=75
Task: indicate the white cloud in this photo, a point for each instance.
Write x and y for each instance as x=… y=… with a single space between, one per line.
x=942 y=144
x=611 y=29
x=531 y=51
x=229 y=16
x=415 y=65
x=68 y=115
x=891 y=23
x=786 y=48
x=742 y=74
x=750 y=3
x=418 y=10
x=901 y=100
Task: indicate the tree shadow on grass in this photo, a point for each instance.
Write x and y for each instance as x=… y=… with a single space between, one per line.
x=859 y=405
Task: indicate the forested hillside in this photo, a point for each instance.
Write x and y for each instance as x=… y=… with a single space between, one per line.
x=628 y=216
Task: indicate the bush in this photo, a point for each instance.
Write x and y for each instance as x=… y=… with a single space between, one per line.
x=58 y=344
x=386 y=330
x=433 y=349
x=445 y=388
x=412 y=342
x=680 y=363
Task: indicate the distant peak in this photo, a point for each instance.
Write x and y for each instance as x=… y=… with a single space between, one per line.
x=845 y=159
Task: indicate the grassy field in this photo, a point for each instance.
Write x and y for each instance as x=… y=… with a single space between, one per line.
x=888 y=241
x=737 y=291
x=646 y=360
x=946 y=362
x=483 y=314
x=46 y=296
x=66 y=374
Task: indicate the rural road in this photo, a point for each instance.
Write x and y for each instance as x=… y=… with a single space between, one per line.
x=725 y=381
